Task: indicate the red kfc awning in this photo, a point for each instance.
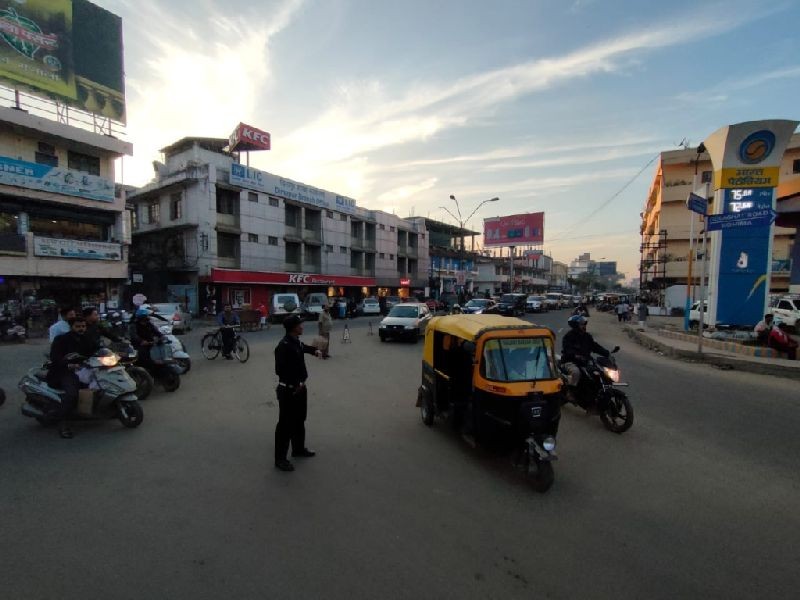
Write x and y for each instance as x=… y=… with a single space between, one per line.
x=270 y=278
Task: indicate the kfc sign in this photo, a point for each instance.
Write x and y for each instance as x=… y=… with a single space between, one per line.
x=405 y=282
x=247 y=138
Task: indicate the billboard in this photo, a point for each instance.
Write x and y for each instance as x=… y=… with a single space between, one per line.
x=55 y=179
x=58 y=248
x=247 y=138
x=69 y=50
x=514 y=230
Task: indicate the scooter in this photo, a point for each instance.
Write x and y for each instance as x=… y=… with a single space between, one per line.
x=112 y=393
x=598 y=392
x=162 y=366
x=10 y=331
x=179 y=354
x=127 y=358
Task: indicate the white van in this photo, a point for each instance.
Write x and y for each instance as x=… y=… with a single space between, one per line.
x=277 y=310
x=312 y=306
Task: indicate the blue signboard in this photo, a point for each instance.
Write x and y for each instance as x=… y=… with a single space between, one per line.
x=748 y=218
x=58 y=180
x=697 y=204
x=744 y=256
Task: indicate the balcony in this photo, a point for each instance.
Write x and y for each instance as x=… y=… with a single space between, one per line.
x=228 y=263
x=229 y=223
x=291 y=266
x=310 y=267
x=312 y=236
x=13 y=244
x=292 y=233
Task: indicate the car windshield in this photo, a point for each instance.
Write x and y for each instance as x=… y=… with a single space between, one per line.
x=370 y=301
x=477 y=302
x=408 y=312
x=518 y=359
x=508 y=298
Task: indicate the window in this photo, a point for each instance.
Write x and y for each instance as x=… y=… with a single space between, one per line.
x=329 y=214
x=382 y=227
x=391 y=257
x=343 y=217
x=706 y=177
x=422 y=236
x=227 y=245
x=391 y=229
x=83 y=162
x=46 y=155
x=134 y=219
x=292 y=217
x=227 y=202
x=785 y=304
x=796 y=166
x=153 y=212
x=273 y=201
x=328 y=247
x=252 y=196
x=252 y=237
x=176 y=206
x=382 y=256
x=272 y=240
x=343 y=249
x=59 y=227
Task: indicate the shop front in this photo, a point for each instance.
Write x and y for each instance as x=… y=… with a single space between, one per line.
x=251 y=288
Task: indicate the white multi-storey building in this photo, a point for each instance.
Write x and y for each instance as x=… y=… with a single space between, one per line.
x=209 y=230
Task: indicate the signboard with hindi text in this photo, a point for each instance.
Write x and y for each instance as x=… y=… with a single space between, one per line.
x=514 y=230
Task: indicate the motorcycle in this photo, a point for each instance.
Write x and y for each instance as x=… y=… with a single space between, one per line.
x=112 y=393
x=10 y=331
x=598 y=392
x=162 y=366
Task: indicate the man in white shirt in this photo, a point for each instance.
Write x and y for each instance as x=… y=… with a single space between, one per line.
x=622 y=311
x=62 y=325
x=763 y=328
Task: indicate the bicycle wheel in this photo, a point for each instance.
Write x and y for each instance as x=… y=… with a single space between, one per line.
x=241 y=350
x=210 y=346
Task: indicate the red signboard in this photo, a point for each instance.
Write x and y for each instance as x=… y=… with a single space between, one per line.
x=405 y=282
x=514 y=230
x=265 y=278
x=247 y=138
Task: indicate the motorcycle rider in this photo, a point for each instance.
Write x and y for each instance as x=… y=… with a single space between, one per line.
x=576 y=349
x=61 y=373
x=144 y=334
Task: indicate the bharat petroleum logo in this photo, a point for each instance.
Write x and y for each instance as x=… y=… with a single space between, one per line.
x=756 y=147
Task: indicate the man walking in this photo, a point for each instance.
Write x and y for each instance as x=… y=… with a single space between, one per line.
x=290 y=367
x=622 y=311
x=325 y=326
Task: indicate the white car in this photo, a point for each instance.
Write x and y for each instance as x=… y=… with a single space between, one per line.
x=694 y=315
x=787 y=309
x=535 y=304
x=181 y=320
x=369 y=306
x=405 y=321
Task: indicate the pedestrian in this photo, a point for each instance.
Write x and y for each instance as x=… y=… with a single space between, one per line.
x=780 y=340
x=62 y=325
x=762 y=329
x=382 y=304
x=262 y=311
x=644 y=312
x=325 y=325
x=290 y=367
x=622 y=311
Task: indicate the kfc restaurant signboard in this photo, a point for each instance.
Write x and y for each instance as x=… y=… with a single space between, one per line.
x=268 y=278
x=248 y=138
x=405 y=282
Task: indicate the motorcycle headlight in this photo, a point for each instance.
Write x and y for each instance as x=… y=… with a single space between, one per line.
x=549 y=443
x=612 y=374
x=109 y=361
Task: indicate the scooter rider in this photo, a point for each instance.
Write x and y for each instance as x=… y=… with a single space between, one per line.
x=144 y=334
x=577 y=347
x=61 y=373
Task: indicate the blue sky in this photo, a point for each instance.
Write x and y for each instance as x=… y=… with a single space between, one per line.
x=551 y=105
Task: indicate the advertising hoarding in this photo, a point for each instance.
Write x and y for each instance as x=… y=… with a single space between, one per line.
x=514 y=230
x=248 y=138
x=58 y=248
x=55 y=179
x=70 y=50
x=262 y=181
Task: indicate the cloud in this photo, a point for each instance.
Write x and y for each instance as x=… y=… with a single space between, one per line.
x=720 y=92
x=405 y=192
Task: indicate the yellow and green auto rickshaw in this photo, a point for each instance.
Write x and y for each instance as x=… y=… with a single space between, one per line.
x=496 y=378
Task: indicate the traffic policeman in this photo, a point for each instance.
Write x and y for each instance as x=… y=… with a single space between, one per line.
x=290 y=366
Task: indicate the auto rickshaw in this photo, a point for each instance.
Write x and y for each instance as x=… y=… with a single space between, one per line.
x=496 y=378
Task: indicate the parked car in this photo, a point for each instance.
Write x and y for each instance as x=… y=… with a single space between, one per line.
x=510 y=305
x=407 y=320
x=278 y=306
x=787 y=309
x=477 y=306
x=313 y=303
x=694 y=315
x=173 y=311
x=535 y=304
x=369 y=306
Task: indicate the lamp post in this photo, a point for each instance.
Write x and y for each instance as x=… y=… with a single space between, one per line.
x=462 y=223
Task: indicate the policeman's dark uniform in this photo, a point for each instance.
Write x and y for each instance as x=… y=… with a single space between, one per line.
x=290 y=366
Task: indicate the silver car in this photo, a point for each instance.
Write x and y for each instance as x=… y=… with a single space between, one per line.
x=406 y=321
x=181 y=319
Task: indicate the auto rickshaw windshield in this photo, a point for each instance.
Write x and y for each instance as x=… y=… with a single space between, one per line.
x=518 y=359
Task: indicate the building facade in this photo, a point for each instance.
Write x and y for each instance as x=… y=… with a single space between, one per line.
x=666 y=222
x=64 y=232
x=209 y=230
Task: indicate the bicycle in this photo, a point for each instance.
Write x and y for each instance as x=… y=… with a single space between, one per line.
x=211 y=345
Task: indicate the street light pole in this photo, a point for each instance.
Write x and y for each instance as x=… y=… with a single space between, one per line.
x=462 y=223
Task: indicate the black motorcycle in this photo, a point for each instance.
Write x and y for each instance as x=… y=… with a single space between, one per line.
x=599 y=392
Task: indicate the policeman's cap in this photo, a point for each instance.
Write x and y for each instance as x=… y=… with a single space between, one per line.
x=291 y=322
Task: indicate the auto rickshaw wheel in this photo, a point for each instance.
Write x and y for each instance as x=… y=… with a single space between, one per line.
x=426 y=408
x=542 y=478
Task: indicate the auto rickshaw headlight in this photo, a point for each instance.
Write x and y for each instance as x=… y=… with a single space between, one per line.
x=549 y=443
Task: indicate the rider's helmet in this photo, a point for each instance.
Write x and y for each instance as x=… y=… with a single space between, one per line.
x=141 y=312
x=576 y=321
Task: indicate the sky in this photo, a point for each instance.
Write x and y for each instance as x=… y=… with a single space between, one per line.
x=559 y=106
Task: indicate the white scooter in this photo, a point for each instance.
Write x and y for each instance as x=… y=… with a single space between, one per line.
x=179 y=354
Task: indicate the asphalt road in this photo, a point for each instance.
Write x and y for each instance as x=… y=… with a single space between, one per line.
x=699 y=500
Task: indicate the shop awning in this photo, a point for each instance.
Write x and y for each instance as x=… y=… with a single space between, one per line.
x=274 y=278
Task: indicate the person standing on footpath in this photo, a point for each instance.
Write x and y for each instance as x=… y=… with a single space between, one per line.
x=325 y=326
x=290 y=367
x=644 y=312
